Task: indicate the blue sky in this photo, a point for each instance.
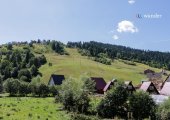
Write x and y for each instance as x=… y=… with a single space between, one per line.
x=108 y=21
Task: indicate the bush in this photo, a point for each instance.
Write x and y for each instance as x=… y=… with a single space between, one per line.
x=26 y=73
x=83 y=117
x=82 y=103
x=89 y=85
x=24 y=79
x=142 y=105
x=23 y=89
x=1 y=85
x=163 y=112
x=43 y=90
x=114 y=103
x=53 y=90
x=12 y=86
x=73 y=97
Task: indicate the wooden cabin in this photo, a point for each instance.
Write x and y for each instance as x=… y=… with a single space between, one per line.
x=149 y=87
x=56 y=79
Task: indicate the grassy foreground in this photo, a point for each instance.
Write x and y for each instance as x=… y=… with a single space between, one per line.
x=76 y=65
x=27 y=108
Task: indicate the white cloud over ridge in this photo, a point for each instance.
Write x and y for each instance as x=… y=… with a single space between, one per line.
x=126 y=26
x=131 y=1
x=115 y=37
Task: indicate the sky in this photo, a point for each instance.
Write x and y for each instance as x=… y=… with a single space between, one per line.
x=142 y=24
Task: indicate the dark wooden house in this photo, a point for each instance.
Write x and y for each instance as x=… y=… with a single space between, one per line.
x=56 y=79
x=100 y=84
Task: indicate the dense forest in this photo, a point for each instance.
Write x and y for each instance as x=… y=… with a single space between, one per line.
x=19 y=67
x=19 y=61
x=99 y=51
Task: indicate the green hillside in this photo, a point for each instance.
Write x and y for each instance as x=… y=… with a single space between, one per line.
x=76 y=65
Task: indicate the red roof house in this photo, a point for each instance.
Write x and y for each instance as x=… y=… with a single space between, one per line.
x=100 y=84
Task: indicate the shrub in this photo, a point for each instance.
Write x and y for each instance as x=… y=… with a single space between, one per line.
x=12 y=86
x=1 y=85
x=142 y=105
x=24 y=79
x=163 y=112
x=114 y=103
x=23 y=89
x=43 y=90
x=73 y=97
x=83 y=117
x=53 y=90
x=26 y=73
x=89 y=85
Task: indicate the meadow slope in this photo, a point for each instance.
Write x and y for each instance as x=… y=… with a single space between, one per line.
x=76 y=65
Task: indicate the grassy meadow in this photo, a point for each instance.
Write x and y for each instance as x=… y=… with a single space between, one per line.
x=28 y=108
x=76 y=65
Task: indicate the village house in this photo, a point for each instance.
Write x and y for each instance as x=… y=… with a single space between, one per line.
x=129 y=87
x=56 y=79
x=109 y=85
x=149 y=87
x=165 y=89
x=100 y=84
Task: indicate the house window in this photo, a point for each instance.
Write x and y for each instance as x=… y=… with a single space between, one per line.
x=151 y=88
x=129 y=87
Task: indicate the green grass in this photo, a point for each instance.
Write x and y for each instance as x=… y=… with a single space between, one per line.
x=27 y=108
x=76 y=65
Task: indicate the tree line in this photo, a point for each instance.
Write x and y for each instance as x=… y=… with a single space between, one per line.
x=95 y=49
x=20 y=63
x=17 y=88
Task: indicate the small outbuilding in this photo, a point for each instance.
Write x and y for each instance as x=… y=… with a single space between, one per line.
x=100 y=84
x=56 y=79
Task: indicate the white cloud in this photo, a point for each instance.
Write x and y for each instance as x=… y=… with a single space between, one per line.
x=126 y=26
x=115 y=37
x=131 y=1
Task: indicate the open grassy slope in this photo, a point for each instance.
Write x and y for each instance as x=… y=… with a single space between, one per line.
x=27 y=108
x=76 y=65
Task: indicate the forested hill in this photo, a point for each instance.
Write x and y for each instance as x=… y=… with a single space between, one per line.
x=96 y=49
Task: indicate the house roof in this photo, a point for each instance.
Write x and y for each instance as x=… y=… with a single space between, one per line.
x=145 y=86
x=57 y=79
x=108 y=84
x=166 y=89
x=100 y=82
x=167 y=79
x=128 y=82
